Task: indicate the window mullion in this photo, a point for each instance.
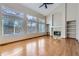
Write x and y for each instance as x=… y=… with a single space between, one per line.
x=2 y=27
x=14 y=26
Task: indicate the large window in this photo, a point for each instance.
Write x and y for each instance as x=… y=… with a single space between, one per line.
x=12 y=22
x=8 y=25
x=12 y=25
x=32 y=24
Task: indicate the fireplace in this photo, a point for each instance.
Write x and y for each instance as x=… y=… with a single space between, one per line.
x=57 y=33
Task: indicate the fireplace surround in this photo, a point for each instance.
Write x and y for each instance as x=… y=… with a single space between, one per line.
x=57 y=33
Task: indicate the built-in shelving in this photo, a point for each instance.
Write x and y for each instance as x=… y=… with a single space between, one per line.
x=71 y=29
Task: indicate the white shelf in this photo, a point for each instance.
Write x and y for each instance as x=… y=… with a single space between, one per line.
x=71 y=29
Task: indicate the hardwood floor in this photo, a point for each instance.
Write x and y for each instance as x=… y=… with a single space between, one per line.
x=41 y=46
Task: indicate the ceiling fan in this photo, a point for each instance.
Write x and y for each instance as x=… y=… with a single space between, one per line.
x=45 y=4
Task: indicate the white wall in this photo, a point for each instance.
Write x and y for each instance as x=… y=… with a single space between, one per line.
x=77 y=29
x=58 y=19
x=71 y=11
x=77 y=22
x=73 y=14
x=49 y=21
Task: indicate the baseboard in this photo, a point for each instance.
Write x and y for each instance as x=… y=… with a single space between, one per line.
x=21 y=40
x=71 y=38
x=77 y=40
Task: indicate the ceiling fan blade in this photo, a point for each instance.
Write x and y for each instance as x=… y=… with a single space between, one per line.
x=49 y=3
x=41 y=5
x=45 y=5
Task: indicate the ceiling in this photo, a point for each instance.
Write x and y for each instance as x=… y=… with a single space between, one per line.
x=42 y=10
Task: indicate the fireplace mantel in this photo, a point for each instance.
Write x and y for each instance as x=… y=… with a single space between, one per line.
x=56 y=26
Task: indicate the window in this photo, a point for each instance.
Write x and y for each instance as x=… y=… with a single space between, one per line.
x=0 y=27
x=32 y=24
x=8 y=25
x=12 y=25
x=18 y=25
x=9 y=11
x=12 y=21
x=41 y=25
